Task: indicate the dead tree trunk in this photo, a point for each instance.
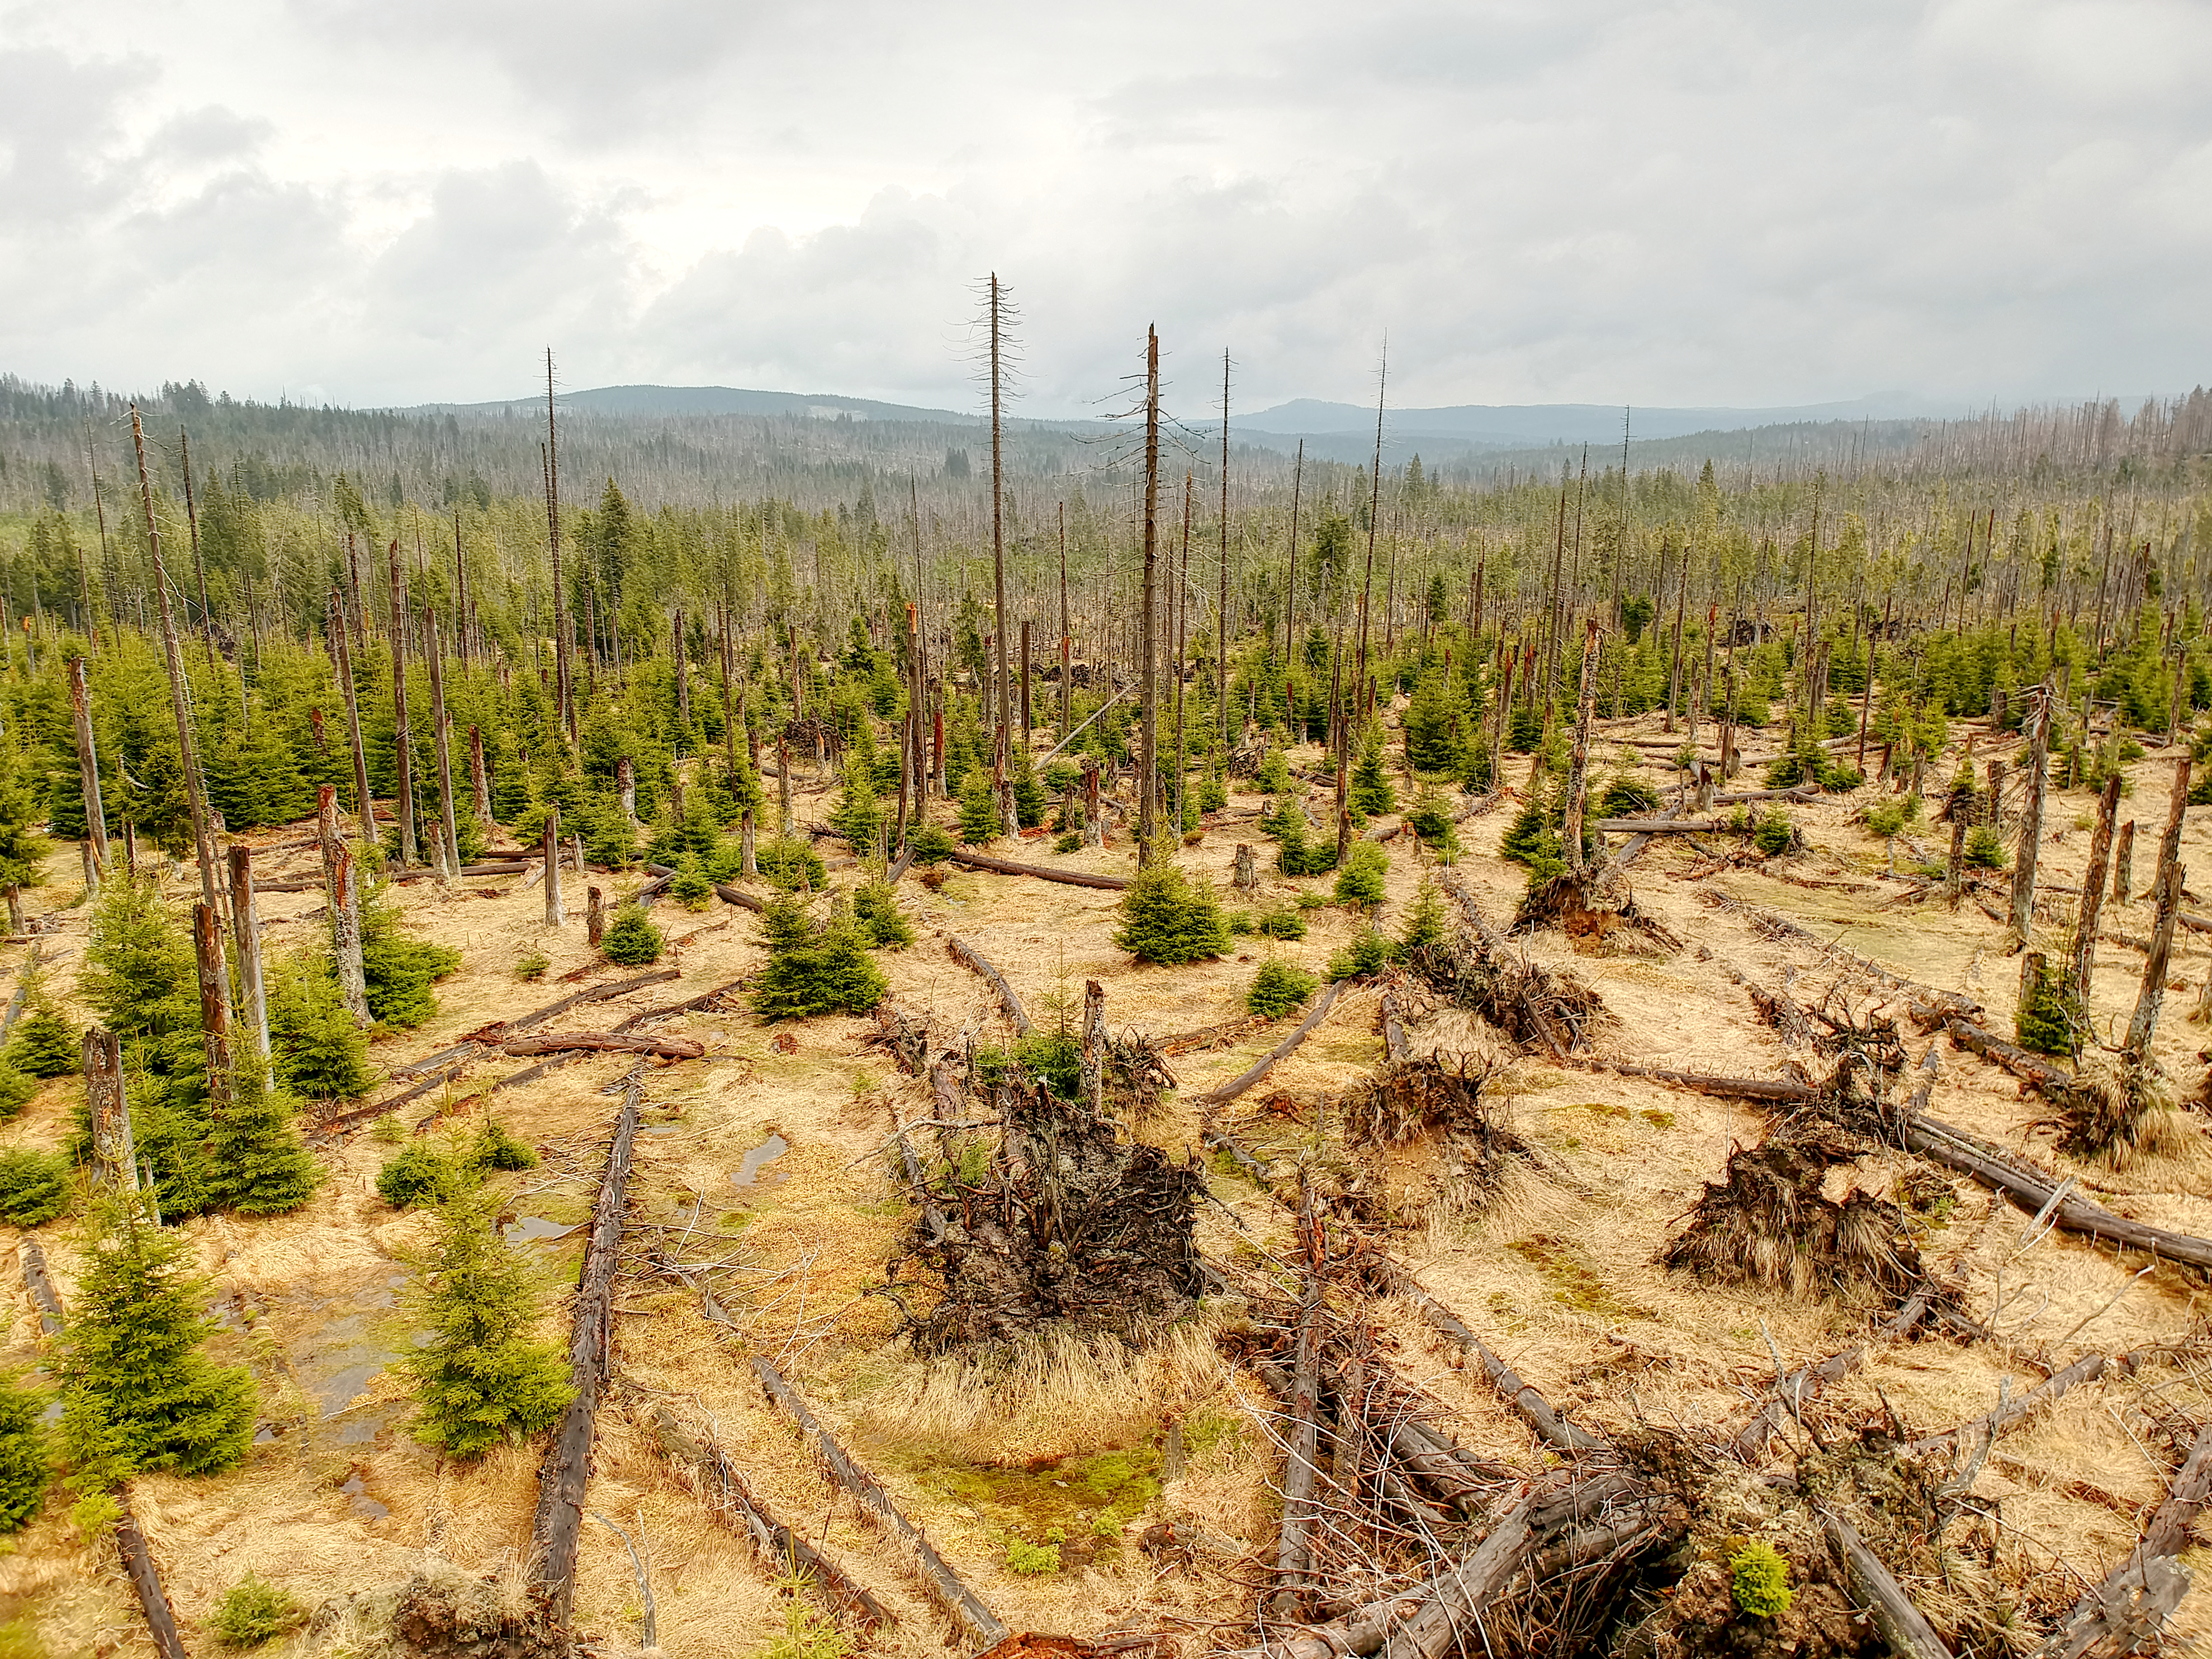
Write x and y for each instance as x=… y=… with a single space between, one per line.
x=1571 y=835
x=479 y=780
x=450 y=845
x=1236 y=1086
x=551 y=837
x=944 y=1585
x=146 y=1579
x=343 y=650
x=88 y=766
x=567 y=1468
x=2031 y=818
x=1294 y=1549
x=1094 y=1046
x=403 y=734
x=1148 y=751
x=33 y=1261
x=1903 y=1625
x=2136 y=1594
x=1529 y=1405
x=245 y=929
x=2165 y=892
x=342 y=888
x=114 y=1160
x=969 y=957
x=214 y=1004
x=595 y=917
x=2124 y=862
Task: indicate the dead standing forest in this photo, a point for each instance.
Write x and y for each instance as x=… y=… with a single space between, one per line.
x=673 y=1034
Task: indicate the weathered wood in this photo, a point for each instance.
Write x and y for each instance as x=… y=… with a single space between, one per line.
x=1740 y=1088
x=969 y=957
x=1660 y=826
x=342 y=884
x=246 y=930
x=604 y=1042
x=1903 y=1625
x=2013 y=1412
x=1211 y=1037
x=1531 y=1407
x=595 y=916
x=968 y=860
x=214 y=1004
x=690 y=1005
x=87 y=763
x=146 y=1579
x=1806 y=1381
x=2166 y=897
x=566 y=1466
x=114 y=1160
x=708 y=1470
x=549 y=853
x=2135 y=1594
x=1294 y=1546
x=32 y=1259
x=22 y=997
x=944 y=1585
x=1260 y=1068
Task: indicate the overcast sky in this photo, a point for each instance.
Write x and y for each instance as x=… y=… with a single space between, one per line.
x=396 y=201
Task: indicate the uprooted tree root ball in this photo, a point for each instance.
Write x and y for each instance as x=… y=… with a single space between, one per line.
x=1508 y=990
x=1598 y=915
x=1064 y=1222
x=1768 y=1222
x=1439 y=1107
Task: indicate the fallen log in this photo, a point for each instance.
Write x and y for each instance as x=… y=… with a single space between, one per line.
x=690 y=1005
x=392 y=1102
x=35 y=1280
x=708 y=1470
x=146 y=1579
x=606 y=1041
x=1531 y=1407
x=1387 y=1482
x=1745 y=797
x=2134 y=1599
x=969 y=957
x=1538 y=1020
x=2012 y=1413
x=1808 y=1381
x=500 y=1030
x=738 y=895
x=1903 y=1625
x=2047 y=1080
x=1293 y=1550
x=1630 y=849
x=944 y=1585
x=566 y=1466
x=970 y=861
x=1740 y=1088
x=1220 y=1141
x=1260 y=1068
x=1209 y=1036
x=1660 y=826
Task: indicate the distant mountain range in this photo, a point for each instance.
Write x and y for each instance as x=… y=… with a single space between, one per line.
x=1333 y=426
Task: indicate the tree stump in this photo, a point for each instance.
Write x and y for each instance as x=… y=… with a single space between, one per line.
x=1247 y=876
x=595 y=916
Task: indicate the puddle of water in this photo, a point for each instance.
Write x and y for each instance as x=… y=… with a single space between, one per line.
x=534 y=1229
x=748 y=1174
x=362 y=1427
x=363 y=1505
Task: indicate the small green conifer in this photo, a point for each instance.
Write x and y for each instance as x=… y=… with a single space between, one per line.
x=25 y=1469
x=631 y=939
x=815 y=969
x=877 y=908
x=1278 y=990
x=1168 y=918
x=34 y=1186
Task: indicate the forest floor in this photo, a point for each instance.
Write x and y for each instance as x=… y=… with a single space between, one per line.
x=770 y=1155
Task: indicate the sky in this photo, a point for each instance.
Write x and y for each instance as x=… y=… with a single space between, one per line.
x=379 y=202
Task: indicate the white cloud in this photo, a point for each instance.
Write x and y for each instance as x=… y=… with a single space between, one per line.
x=1697 y=202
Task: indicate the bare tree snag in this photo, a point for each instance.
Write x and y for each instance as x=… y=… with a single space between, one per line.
x=1148 y=751
x=87 y=767
x=146 y=1579
x=2166 y=894
x=2084 y=962
x=708 y=1470
x=215 y=1009
x=1260 y=1068
x=32 y=1259
x=179 y=687
x=441 y=730
x=1094 y=1046
x=551 y=838
x=1903 y=1625
x=245 y=929
x=342 y=650
x=595 y=916
x=944 y=1585
x=2031 y=821
x=969 y=957
x=566 y=1466
x=404 y=737
x=479 y=779
x=1578 y=767
x=968 y=860
x=114 y=1160
x=342 y=884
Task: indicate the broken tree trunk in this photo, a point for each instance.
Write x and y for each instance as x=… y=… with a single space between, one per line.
x=1093 y=1073
x=403 y=805
x=245 y=928
x=114 y=1160
x=1530 y=1405
x=2030 y=819
x=2166 y=894
x=146 y=1580
x=973 y=860
x=2135 y=1594
x=1294 y=1550
x=33 y=1261
x=1537 y=1020
x=1903 y=1625
x=551 y=839
x=607 y=1043
x=214 y=1004
x=567 y=1468
x=87 y=764
x=342 y=886
x=595 y=916
x=2093 y=891
x=2013 y=1412
x=1260 y=1068
x=708 y=1470
x=1806 y=1381
x=969 y=957
x=944 y=1585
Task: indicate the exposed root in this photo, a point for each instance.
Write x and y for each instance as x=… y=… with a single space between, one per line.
x=1597 y=914
x=1521 y=997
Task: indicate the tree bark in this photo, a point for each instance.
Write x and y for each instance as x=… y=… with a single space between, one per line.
x=88 y=766
x=214 y=1006
x=1903 y=1625
x=363 y=808
x=1294 y=1551
x=1260 y=1068
x=969 y=957
x=1148 y=752
x=595 y=917
x=551 y=836
x=968 y=860
x=2114 y=1604
x=114 y=1160
x=1571 y=834
x=343 y=885
x=607 y=1042
x=402 y=734
x=567 y=1465
x=245 y=926
x=479 y=780
x=2166 y=889
x=146 y=1580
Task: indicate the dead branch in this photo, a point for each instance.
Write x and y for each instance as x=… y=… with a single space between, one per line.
x=968 y=860
x=1294 y=1554
x=1260 y=1068
x=1808 y=1381
x=1903 y=1625
x=146 y=1579
x=944 y=1585
x=2013 y=1412
x=1530 y=1405
x=969 y=957
x=2127 y=1609
x=606 y=1041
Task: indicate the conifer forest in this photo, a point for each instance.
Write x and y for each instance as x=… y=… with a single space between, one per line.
x=801 y=1037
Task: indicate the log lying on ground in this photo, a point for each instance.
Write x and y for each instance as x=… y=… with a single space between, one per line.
x=1531 y=1013
x=146 y=1580
x=1903 y=1625
x=566 y=1466
x=1260 y=1068
x=708 y=1470
x=1218 y=1139
x=973 y=860
x=35 y=1280
x=690 y=1005
x=1387 y=1481
x=1209 y=1036
x=500 y=1030
x=1780 y=1089
x=1806 y=1381
x=738 y=895
x=609 y=1041
x=1293 y=1550
x=2038 y=1074
x=1660 y=826
x=944 y=1585
x=2013 y=1412
x=1628 y=851
x=1531 y=1407
x=969 y=957
x=2125 y=1612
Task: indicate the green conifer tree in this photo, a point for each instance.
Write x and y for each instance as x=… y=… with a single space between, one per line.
x=858 y=814
x=132 y=1372
x=139 y=972
x=257 y=1163
x=46 y=1043
x=876 y=908
x=1278 y=990
x=814 y=969
x=1168 y=918
x=34 y=1187
x=319 y=1053
x=691 y=889
x=25 y=1469
x=480 y=1379
x=400 y=970
x=979 y=812
x=1360 y=881
x=631 y=938
x=1425 y=919
x=1371 y=794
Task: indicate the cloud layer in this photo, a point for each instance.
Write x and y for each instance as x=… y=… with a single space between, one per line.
x=1693 y=203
